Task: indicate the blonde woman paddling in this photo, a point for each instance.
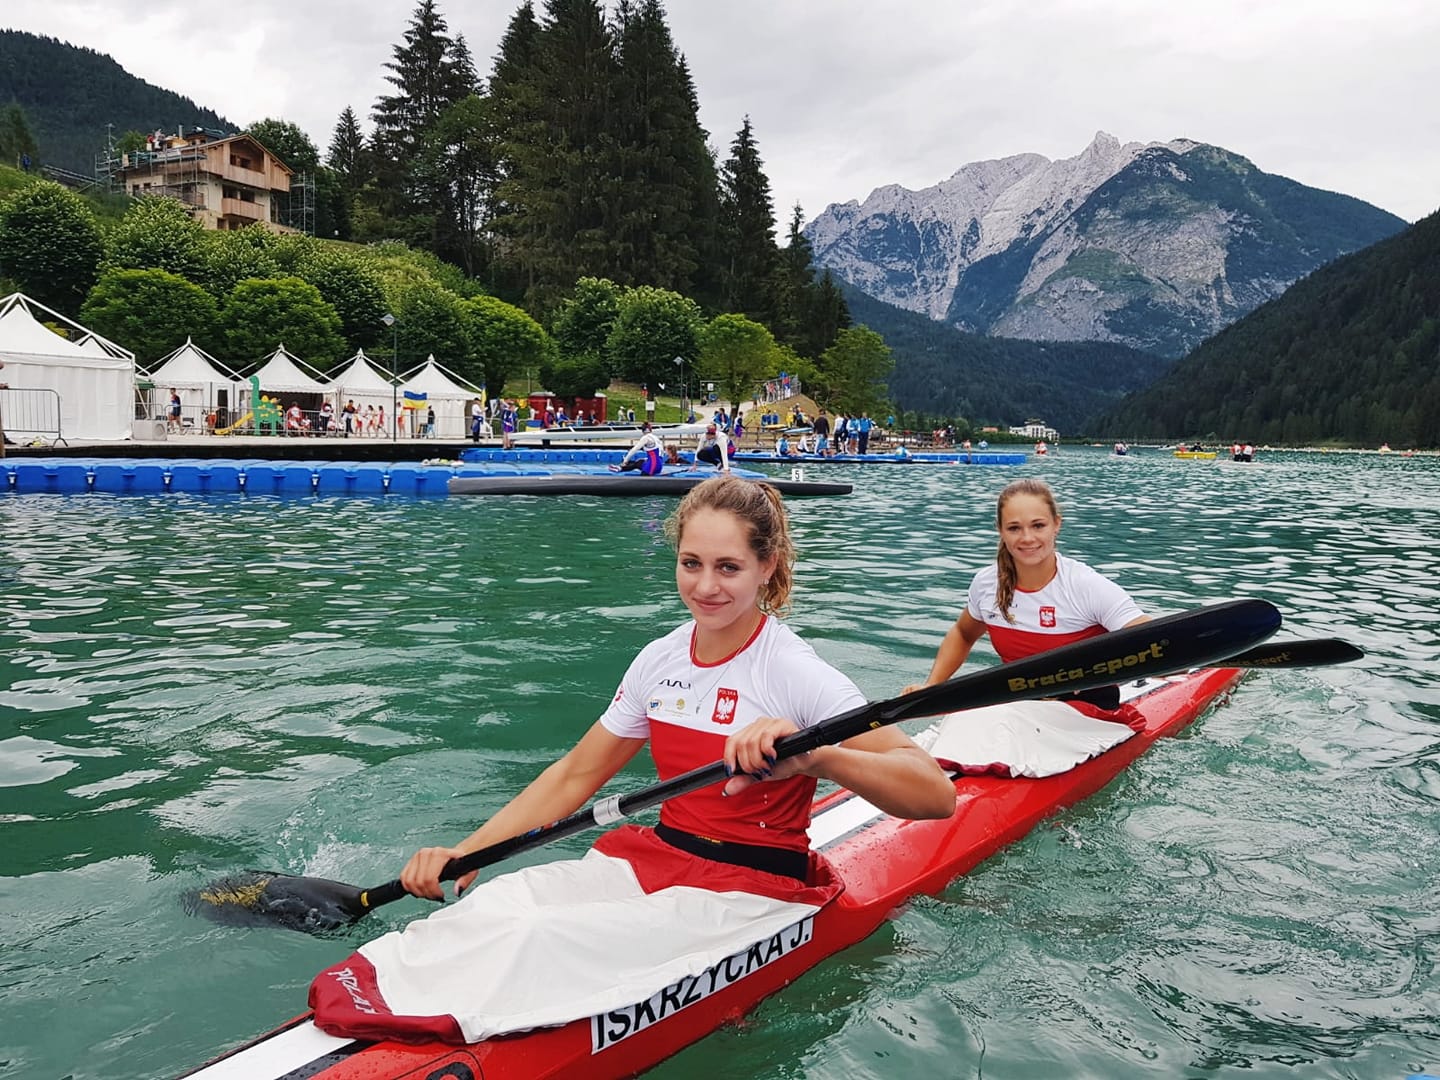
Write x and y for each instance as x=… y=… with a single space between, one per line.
x=726 y=866
x=1030 y=600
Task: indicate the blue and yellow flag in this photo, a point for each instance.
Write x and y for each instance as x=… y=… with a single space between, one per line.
x=412 y=400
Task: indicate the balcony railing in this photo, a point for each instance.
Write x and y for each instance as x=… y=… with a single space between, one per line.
x=252 y=211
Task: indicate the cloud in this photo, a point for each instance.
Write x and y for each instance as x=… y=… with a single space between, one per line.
x=850 y=95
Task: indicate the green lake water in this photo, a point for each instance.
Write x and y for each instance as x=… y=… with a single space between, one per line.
x=192 y=686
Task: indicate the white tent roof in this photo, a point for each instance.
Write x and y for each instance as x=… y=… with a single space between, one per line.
x=360 y=376
x=190 y=365
x=435 y=381
x=286 y=374
x=93 y=389
x=96 y=345
x=22 y=332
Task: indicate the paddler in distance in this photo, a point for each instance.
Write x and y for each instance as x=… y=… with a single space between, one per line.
x=727 y=866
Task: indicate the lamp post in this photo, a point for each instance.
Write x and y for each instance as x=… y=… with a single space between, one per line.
x=680 y=363
x=389 y=320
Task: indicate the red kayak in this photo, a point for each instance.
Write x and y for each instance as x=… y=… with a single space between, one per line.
x=882 y=860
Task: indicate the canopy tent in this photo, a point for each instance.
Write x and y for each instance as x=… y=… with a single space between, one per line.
x=94 y=386
x=447 y=393
x=286 y=374
x=361 y=381
x=95 y=345
x=367 y=386
x=204 y=384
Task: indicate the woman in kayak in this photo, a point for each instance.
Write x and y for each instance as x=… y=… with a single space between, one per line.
x=1033 y=598
x=726 y=867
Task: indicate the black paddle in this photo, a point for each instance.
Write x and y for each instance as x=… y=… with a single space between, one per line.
x=1161 y=646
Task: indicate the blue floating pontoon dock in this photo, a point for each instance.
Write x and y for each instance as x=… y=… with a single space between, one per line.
x=255 y=476
x=612 y=456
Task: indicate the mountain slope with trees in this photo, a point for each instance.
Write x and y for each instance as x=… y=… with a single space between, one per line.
x=1156 y=246
x=70 y=94
x=1349 y=354
x=943 y=372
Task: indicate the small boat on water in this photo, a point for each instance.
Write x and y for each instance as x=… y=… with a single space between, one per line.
x=1121 y=450
x=882 y=860
x=1196 y=453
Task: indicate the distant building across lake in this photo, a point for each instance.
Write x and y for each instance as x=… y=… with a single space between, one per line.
x=1036 y=429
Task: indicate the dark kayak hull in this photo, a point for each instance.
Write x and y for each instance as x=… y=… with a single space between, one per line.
x=622 y=484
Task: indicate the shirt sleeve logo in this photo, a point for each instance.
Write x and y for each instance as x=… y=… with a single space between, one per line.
x=725 y=703
x=1047 y=617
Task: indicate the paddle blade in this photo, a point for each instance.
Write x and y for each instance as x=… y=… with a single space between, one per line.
x=1314 y=652
x=255 y=897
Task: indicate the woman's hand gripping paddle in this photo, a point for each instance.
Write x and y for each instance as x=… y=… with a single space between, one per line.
x=1162 y=646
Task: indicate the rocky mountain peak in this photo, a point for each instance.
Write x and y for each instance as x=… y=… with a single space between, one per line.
x=1156 y=245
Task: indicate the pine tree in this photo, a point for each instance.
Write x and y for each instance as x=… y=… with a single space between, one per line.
x=828 y=315
x=747 y=227
x=791 y=290
x=515 y=106
x=346 y=155
x=430 y=72
x=661 y=148
x=563 y=188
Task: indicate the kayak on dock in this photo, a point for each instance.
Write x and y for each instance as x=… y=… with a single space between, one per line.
x=881 y=860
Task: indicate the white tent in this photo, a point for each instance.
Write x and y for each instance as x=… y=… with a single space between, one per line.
x=200 y=380
x=95 y=345
x=363 y=383
x=447 y=393
x=94 y=390
x=286 y=374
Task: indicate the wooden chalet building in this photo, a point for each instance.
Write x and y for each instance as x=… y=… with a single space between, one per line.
x=227 y=181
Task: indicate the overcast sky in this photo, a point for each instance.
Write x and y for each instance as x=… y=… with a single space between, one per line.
x=849 y=95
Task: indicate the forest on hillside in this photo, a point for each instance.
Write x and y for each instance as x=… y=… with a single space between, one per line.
x=1349 y=354
x=76 y=99
x=944 y=372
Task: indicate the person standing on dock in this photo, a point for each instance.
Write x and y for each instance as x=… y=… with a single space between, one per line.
x=821 y=428
x=862 y=428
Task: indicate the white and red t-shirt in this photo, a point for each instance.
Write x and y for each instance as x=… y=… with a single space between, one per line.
x=687 y=711
x=1075 y=604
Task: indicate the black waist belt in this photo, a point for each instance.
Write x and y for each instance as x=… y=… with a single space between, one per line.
x=771 y=860
x=1103 y=697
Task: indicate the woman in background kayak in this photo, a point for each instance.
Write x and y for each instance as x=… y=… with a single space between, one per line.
x=727 y=866
x=1033 y=598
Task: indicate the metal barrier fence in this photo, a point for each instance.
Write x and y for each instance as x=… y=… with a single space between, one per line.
x=29 y=414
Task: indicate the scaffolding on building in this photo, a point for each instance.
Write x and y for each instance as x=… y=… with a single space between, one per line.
x=299 y=210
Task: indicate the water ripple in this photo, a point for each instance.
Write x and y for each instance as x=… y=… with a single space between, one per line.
x=196 y=685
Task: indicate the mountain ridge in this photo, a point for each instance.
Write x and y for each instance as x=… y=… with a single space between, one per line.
x=1155 y=245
